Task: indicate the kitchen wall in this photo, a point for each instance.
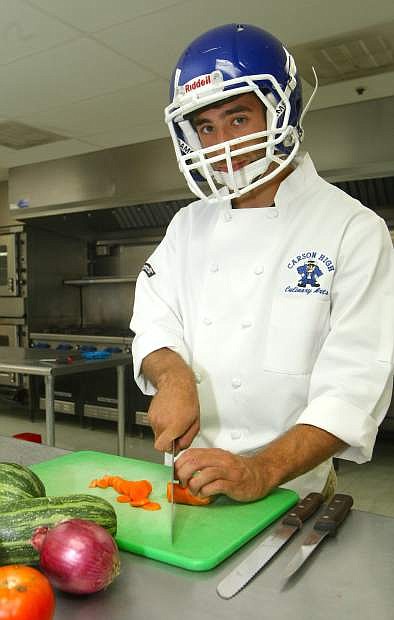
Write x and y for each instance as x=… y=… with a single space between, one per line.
x=5 y=216
x=352 y=141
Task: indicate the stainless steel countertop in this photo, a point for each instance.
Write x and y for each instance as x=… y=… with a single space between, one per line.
x=29 y=361
x=349 y=577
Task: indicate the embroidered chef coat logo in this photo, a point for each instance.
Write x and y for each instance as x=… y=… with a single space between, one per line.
x=310 y=269
x=148 y=270
x=309 y=273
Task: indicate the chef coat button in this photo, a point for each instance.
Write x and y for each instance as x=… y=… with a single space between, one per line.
x=235 y=435
x=227 y=216
x=197 y=377
x=207 y=321
x=236 y=382
x=272 y=213
x=214 y=267
x=259 y=269
x=246 y=323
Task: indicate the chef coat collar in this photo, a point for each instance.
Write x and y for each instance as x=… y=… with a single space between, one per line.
x=291 y=187
x=295 y=184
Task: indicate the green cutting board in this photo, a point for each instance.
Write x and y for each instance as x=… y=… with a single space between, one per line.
x=203 y=535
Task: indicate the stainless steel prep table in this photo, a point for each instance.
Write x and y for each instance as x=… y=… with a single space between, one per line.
x=29 y=362
x=349 y=577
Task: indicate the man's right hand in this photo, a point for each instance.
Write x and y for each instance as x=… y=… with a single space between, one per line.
x=174 y=413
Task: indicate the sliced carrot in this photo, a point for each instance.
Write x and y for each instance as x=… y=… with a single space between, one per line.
x=151 y=506
x=183 y=495
x=144 y=487
x=102 y=484
x=116 y=483
x=124 y=487
x=137 y=503
x=134 y=492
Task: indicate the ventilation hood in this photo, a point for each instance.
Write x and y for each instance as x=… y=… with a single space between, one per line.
x=147 y=221
x=124 y=176
x=115 y=191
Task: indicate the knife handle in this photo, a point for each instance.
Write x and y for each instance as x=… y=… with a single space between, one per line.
x=303 y=510
x=336 y=511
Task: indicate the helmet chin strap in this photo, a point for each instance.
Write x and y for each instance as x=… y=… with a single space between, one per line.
x=243 y=177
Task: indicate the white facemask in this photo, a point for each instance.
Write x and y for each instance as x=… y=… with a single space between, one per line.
x=243 y=177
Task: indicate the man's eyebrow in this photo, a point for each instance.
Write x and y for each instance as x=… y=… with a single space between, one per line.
x=200 y=120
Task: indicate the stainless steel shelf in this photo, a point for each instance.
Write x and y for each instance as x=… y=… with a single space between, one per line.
x=101 y=280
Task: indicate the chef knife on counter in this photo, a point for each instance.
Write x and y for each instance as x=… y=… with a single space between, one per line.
x=326 y=525
x=290 y=524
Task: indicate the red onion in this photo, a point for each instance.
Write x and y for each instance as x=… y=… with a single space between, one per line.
x=77 y=556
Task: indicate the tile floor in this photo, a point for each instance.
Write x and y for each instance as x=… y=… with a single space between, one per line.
x=370 y=484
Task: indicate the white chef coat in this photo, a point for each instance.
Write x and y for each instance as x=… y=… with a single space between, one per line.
x=285 y=314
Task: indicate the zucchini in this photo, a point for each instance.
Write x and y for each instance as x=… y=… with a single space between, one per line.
x=19 y=520
x=18 y=482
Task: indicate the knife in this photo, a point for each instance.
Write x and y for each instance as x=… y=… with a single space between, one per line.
x=172 y=515
x=291 y=523
x=326 y=525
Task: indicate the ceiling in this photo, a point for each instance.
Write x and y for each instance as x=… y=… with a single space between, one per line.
x=95 y=73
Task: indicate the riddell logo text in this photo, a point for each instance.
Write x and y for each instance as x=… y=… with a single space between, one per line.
x=201 y=81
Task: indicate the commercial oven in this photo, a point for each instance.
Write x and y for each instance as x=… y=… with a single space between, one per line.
x=9 y=286
x=12 y=272
x=12 y=295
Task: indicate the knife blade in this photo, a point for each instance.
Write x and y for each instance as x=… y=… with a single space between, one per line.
x=291 y=523
x=326 y=525
x=172 y=515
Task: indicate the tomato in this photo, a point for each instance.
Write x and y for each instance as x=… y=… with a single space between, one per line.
x=25 y=594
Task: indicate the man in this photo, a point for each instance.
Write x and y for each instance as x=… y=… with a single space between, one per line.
x=261 y=377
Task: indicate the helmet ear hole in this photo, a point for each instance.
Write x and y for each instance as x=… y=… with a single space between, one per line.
x=197 y=176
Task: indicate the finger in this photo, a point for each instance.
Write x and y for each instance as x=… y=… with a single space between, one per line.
x=188 y=464
x=163 y=441
x=201 y=479
x=186 y=439
x=196 y=477
x=217 y=487
x=196 y=459
x=165 y=436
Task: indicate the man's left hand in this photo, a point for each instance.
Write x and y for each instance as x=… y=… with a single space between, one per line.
x=212 y=471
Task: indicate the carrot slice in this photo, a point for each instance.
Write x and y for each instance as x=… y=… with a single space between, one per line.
x=124 y=487
x=102 y=484
x=183 y=495
x=116 y=483
x=144 y=486
x=151 y=506
x=123 y=499
x=137 y=503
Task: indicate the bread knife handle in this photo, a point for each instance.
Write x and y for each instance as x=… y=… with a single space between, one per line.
x=336 y=511
x=303 y=510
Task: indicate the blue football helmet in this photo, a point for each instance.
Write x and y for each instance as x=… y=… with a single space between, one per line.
x=226 y=62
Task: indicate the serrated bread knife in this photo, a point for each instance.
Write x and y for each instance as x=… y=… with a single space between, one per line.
x=326 y=525
x=290 y=524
